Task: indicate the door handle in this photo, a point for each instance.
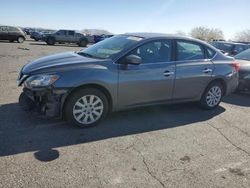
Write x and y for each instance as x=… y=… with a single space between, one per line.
x=168 y=73
x=206 y=70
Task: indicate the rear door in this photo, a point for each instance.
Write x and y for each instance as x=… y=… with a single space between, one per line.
x=70 y=36
x=150 y=82
x=193 y=70
x=13 y=32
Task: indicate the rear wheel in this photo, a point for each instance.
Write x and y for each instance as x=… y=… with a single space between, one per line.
x=212 y=96
x=86 y=107
x=83 y=43
x=20 y=39
x=51 y=41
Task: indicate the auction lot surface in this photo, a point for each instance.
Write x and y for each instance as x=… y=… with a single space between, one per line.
x=162 y=146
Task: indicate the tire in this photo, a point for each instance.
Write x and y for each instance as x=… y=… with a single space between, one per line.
x=25 y=102
x=83 y=43
x=212 y=96
x=20 y=39
x=51 y=41
x=80 y=111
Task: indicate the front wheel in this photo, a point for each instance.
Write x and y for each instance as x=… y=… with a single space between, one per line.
x=212 y=96
x=86 y=107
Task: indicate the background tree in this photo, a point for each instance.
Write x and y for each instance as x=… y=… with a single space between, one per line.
x=207 y=34
x=243 y=36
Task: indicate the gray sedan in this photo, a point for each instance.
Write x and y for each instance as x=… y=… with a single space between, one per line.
x=127 y=71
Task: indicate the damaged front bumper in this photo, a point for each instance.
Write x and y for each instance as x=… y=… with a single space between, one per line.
x=46 y=101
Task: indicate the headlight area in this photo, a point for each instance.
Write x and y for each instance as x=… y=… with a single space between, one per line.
x=38 y=97
x=40 y=81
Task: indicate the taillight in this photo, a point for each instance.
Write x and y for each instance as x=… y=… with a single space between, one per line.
x=236 y=66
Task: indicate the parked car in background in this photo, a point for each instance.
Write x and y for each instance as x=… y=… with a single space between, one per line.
x=126 y=71
x=26 y=30
x=244 y=74
x=36 y=35
x=66 y=36
x=12 y=34
x=98 y=38
x=230 y=48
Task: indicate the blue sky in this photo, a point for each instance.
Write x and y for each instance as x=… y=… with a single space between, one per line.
x=120 y=16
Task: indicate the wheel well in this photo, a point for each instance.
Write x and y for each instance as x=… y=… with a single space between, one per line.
x=95 y=86
x=50 y=37
x=222 y=82
x=19 y=36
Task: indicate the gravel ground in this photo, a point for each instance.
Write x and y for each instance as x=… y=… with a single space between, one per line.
x=161 y=146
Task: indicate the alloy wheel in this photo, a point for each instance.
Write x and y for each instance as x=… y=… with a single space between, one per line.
x=214 y=96
x=88 y=109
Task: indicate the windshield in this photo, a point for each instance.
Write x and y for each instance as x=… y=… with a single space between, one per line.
x=223 y=46
x=110 y=47
x=245 y=55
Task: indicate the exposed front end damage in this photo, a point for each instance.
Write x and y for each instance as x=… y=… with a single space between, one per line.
x=45 y=101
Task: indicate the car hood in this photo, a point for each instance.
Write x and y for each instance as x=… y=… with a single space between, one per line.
x=57 y=61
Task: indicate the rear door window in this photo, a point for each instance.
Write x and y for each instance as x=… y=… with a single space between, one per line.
x=3 y=28
x=12 y=29
x=189 y=51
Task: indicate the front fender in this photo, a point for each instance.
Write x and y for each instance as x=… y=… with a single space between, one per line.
x=104 y=78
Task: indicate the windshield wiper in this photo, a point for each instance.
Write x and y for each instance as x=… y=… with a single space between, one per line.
x=86 y=54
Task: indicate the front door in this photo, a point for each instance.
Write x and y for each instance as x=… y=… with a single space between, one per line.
x=13 y=33
x=70 y=36
x=150 y=82
x=61 y=35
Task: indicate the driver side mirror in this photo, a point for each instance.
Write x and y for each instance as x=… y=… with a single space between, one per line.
x=133 y=59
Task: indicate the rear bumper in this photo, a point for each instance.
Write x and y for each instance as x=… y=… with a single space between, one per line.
x=232 y=85
x=45 y=101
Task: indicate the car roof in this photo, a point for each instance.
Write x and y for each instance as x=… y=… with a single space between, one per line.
x=156 y=35
x=167 y=36
x=8 y=26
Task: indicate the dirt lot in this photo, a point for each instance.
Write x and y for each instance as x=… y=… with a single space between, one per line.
x=163 y=146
